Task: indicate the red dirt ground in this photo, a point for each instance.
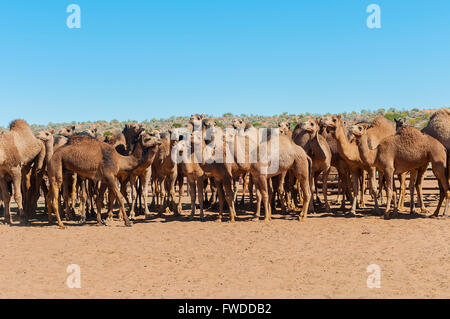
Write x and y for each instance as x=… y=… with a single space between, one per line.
x=324 y=257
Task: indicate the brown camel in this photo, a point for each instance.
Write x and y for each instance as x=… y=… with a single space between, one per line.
x=380 y=128
x=320 y=156
x=18 y=148
x=90 y=159
x=145 y=150
x=164 y=173
x=281 y=155
x=407 y=150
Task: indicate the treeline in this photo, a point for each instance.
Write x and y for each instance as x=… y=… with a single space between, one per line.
x=415 y=117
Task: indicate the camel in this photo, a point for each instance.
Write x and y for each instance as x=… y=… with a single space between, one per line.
x=191 y=169
x=321 y=157
x=131 y=132
x=340 y=164
x=18 y=148
x=90 y=159
x=145 y=150
x=164 y=173
x=380 y=128
x=288 y=157
x=407 y=150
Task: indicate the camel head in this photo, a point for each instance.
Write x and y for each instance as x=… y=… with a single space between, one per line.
x=46 y=135
x=284 y=127
x=238 y=123
x=358 y=130
x=148 y=141
x=333 y=122
x=195 y=121
x=67 y=131
x=211 y=127
x=400 y=123
x=92 y=132
x=311 y=126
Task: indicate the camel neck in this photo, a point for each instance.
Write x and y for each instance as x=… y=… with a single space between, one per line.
x=345 y=148
x=48 y=151
x=367 y=155
x=317 y=147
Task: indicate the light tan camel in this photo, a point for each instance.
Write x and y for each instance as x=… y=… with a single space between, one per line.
x=407 y=150
x=164 y=173
x=276 y=154
x=380 y=127
x=18 y=148
x=320 y=156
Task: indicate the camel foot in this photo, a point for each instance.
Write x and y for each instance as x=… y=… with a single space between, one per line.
x=147 y=216
x=191 y=217
x=424 y=211
x=351 y=213
x=387 y=216
x=128 y=224
x=327 y=208
x=24 y=222
x=61 y=226
x=82 y=221
x=377 y=212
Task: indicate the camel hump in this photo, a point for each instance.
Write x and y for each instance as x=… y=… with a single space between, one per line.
x=18 y=125
x=380 y=120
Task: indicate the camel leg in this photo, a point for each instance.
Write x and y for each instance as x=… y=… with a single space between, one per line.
x=110 y=181
x=389 y=178
x=6 y=197
x=17 y=181
x=412 y=184
x=316 y=189
x=258 y=198
x=420 y=174
x=83 y=198
x=380 y=186
x=180 y=195
x=54 y=194
x=229 y=196
x=401 y=202
x=355 y=183
x=244 y=188
x=144 y=180
x=325 y=189
x=99 y=203
x=250 y=188
x=133 y=184
x=221 y=199
x=373 y=189
x=200 y=188
x=440 y=171
x=362 y=203
x=192 y=191
x=263 y=188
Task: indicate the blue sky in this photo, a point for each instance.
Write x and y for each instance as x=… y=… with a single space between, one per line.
x=153 y=59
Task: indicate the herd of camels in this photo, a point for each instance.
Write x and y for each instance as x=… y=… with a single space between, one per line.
x=84 y=172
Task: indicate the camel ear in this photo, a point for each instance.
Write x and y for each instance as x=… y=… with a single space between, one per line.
x=73 y=128
x=339 y=116
x=52 y=131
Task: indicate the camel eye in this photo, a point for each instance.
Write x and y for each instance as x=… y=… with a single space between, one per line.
x=334 y=120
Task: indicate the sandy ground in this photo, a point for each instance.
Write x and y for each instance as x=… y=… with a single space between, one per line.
x=324 y=257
